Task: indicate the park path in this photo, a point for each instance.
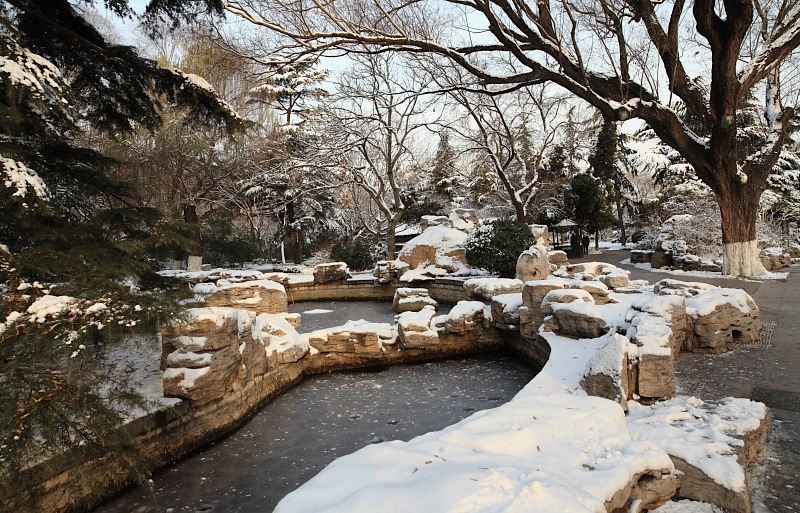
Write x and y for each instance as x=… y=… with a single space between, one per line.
x=768 y=371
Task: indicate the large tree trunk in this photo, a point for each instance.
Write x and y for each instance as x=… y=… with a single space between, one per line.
x=391 y=228
x=738 y=207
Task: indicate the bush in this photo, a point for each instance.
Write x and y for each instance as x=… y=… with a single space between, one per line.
x=496 y=246
x=357 y=254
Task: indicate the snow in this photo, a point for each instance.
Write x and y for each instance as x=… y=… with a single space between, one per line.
x=490 y=287
x=49 y=306
x=707 y=438
x=317 y=311
x=510 y=302
x=465 y=309
x=706 y=302
x=188 y=376
x=22 y=178
x=687 y=506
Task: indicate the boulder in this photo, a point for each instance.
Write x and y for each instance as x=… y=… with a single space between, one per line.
x=259 y=296
x=723 y=319
x=440 y=246
x=464 y=317
x=531 y=313
x=532 y=264
x=709 y=443
x=660 y=258
x=283 y=344
x=576 y=320
x=333 y=271
x=541 y=235
x=615 y=280
x=641 y=256
x=505 y=310
x=426 y=222
x=389 y=270
x=687 y=262
x=557 y=258
x=681 y=288
x=597 y=289
x=486 y=288
x=414 y=328
x=359 y=337
x=606 y=374
x=408 y=299
x=213 y=352
x=775 y=258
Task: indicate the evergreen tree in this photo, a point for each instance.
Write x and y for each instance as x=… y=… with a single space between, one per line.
x=71 y=238
x=585 y=202
x=605 y=164
x=443 y=170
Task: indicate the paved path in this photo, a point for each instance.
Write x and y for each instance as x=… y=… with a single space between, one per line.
x=768 y=372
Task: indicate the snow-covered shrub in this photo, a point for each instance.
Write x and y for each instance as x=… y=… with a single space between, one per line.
x=496 y=246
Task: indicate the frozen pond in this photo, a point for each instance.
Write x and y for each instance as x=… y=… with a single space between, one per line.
x=325 y=314
x=323 y=418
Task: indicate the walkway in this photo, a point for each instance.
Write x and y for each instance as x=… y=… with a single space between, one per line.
x=768 y=372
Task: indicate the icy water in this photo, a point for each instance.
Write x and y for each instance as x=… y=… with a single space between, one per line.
x=326 y=416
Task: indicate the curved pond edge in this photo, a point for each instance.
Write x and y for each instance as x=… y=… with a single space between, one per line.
x=83 y=479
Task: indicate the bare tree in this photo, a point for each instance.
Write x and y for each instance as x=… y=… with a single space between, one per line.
x=378 y=113
x=526 y=44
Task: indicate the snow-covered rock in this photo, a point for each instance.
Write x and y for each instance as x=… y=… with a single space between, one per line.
x=464 y=317
x=359 y=337
x=486 y=288
x=407 y=299
x=532 y=264
x=723 y=319
x=259 y=296
x=440 y=246
x=505 y=310
x=415 y=329
x=282 y=342
x=332 y=271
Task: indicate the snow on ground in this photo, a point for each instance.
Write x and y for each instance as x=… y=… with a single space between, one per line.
x=770 y=276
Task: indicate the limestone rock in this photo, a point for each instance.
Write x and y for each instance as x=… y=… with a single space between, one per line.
x=439 y=246
x=532 y=264
x=414 y=328
x=259 y=296
x=389 y=270
x=333 y=271
x=464 y=317
x=541 y=235
x=614 y=280
x=702 y=438
x=210 y=354
x=408 y=299
x=531 y=312
x=641 y=256
x=723 y=319
x=426 y=222
x=558 y=258
x=576 y=320
x=606 y=374
x=656 y=377
x=775 y=258
x=505 y=310
x=660 y=258
x=486 y=288
x=359 y=337
x=593 y=268
x=597 y=289
x=283 y=344
x=681 y=288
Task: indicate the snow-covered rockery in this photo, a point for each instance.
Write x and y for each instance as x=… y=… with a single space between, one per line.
x=565 y=443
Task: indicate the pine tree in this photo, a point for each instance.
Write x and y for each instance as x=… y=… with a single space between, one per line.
x=71 y=238
x=605 y=166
